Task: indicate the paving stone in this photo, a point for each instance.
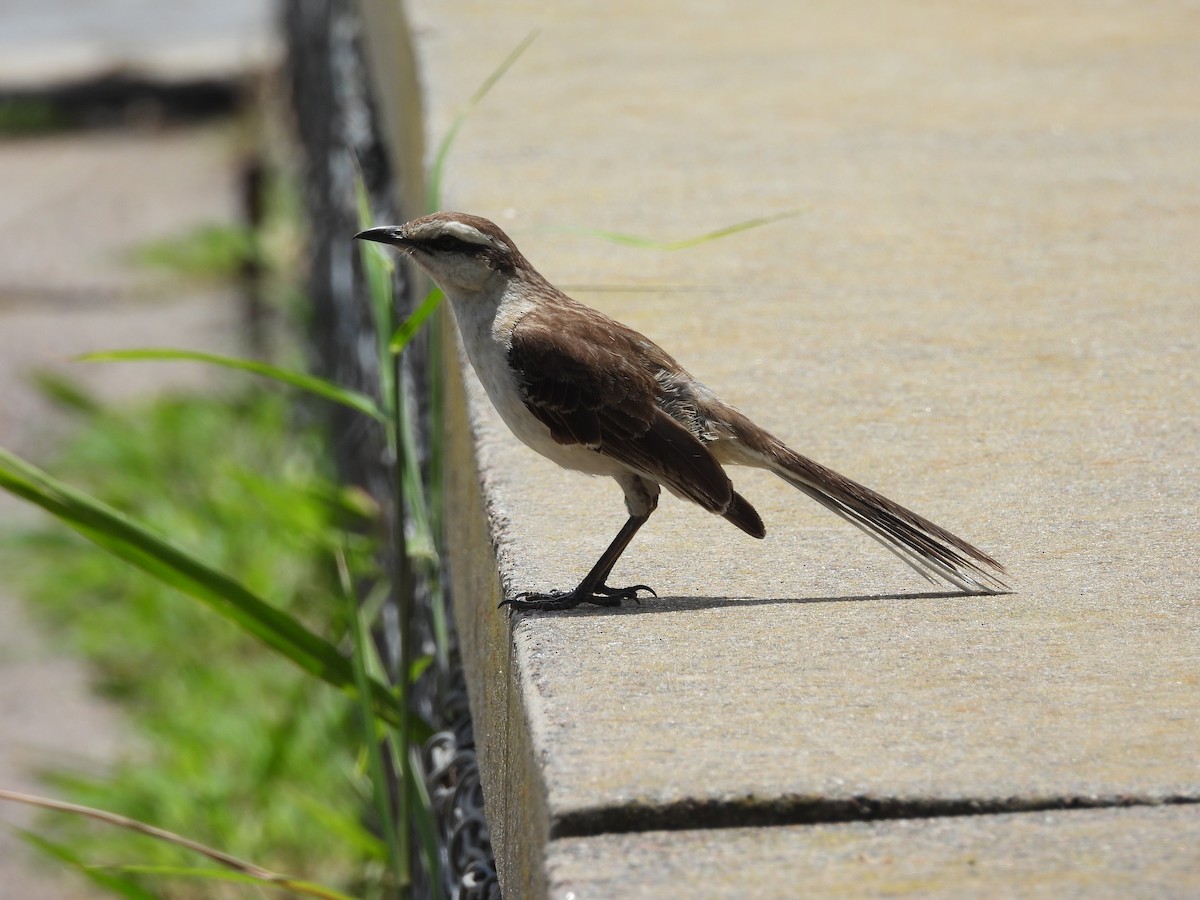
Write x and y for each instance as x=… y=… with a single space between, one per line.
x=1138 y=852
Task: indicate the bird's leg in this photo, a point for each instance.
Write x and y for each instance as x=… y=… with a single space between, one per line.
x=598 y=577
x=592 y=589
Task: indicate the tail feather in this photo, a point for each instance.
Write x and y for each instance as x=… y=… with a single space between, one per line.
x=930 y=549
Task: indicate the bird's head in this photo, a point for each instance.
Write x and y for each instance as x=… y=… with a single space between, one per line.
x=465 y=255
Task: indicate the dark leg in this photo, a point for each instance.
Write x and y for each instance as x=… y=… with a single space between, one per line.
x=592 y=589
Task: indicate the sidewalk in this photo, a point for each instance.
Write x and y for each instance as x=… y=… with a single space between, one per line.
x=986 y=308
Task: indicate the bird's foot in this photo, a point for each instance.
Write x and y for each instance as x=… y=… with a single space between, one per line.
x=600 y=596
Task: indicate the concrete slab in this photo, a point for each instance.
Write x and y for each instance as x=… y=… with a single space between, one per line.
x=1142 y=852
x=985 y=308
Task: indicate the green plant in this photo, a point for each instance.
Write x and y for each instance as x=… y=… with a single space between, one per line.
x=22 y=118
x=273 y=756
x=114 y=878
x=207 y=251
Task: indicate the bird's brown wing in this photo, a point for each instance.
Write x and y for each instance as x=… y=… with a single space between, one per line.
x=591 y=381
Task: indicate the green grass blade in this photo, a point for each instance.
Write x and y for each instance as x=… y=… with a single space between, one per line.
x=378 y=267
x=443 y=153
x=236 y=870
x=310 y=383
x=122 y=887
x=423 y=818
x=140 y=547
x=349 y=829
x=397 y=853
x=633 y=240
x=421 y=544
x=66 y=393
x=378 y=262
x=410 y=326
x=293 y=885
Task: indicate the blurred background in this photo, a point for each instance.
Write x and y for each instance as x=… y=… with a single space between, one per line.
x=150 y=200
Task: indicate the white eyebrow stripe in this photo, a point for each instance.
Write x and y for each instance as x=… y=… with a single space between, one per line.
x=471 y=235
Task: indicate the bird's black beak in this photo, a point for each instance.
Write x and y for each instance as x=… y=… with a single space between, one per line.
x=384 y=234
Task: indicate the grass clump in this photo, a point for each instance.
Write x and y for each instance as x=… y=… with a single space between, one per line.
x=237 y=747
x=23 y=118
x=213 y=251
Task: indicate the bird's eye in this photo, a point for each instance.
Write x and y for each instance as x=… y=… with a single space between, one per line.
x=448 y=243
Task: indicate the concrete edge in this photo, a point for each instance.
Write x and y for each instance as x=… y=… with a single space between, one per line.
x=513 y=789
x=514 y=795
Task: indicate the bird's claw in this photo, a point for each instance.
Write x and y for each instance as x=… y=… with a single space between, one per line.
x=599 y=596
x=625 y=593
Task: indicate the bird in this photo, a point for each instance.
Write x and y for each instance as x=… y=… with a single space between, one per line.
x=598 y=397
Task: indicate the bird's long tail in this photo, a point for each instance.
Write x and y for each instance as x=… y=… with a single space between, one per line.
x=930 y=549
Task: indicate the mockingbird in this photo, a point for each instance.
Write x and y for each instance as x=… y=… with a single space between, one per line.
x=598 y=397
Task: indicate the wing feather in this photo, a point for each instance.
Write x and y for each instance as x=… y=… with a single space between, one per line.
x=592 y=382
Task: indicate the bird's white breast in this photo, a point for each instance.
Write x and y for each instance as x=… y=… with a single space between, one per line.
x=486 y=326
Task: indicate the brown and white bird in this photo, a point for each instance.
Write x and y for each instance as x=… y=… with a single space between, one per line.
x=598 y=397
